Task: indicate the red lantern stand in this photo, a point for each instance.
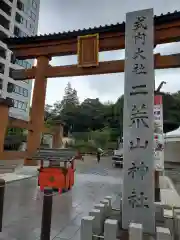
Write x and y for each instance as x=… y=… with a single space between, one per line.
x=56 y=174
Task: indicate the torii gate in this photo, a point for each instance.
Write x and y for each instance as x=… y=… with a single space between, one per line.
x=86 y=44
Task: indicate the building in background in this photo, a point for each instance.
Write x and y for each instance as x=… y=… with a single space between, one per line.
x=18 y=18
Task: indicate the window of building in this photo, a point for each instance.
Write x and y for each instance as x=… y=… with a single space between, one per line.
x=16 y=31
x=33 y=16
x=23 y=63
x=2 y=67
x=3 y=35
x=4 y=22
x=11 y=87
x=20 y=5
x=20 y=104
x=2 y=52
x=19 y=18
x=29 y=25
x=34 y=4
x=19 y=33
x=10 y=72
x=1 y=84
x=5 y=8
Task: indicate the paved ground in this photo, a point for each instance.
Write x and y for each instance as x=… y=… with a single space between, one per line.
x=173 y=172
x=22 y=213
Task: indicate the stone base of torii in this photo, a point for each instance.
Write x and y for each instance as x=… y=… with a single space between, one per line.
x=104 y=222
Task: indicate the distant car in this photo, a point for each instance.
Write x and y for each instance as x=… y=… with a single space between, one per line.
x=117 y=158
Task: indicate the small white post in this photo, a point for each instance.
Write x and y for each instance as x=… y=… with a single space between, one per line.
x=159 y=211
x=110 y=229
x=163 y=233
x=101 y=207
x=106 y=204
x=87 y=228
x=176 y=212
x=96 y=213
x=109 y=198
x=135 y=231
x=177 y=226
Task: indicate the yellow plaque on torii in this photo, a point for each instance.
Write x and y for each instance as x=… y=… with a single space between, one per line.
x=88 y=50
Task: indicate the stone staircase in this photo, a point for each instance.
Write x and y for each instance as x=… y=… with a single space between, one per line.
x=9 y=166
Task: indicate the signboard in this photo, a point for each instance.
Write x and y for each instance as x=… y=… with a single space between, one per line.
x=138 y=122
x=158 y=134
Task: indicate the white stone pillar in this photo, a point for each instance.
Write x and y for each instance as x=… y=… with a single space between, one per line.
x=163 y=233
x=159 y=211
x=135 y=231
x=87 y=228
x=109 y=198
x=169 y=223
x=110 y=229
x=96 y=213
x=106 y=204
x=101 y=207
x=177 y=226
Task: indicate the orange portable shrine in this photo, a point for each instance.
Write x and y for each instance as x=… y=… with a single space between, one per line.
x=57 y=169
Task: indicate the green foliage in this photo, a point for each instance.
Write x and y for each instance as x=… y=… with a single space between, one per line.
x=101 y=122
x=15 y=132
x=84 y=146
x=101 y=137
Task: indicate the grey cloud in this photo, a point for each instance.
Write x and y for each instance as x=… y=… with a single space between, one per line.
x=60 y=15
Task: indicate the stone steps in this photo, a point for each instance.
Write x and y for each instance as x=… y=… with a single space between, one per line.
x=9 y=166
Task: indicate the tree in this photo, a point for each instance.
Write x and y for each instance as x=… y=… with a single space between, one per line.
x=70 y=97
x=93 y=116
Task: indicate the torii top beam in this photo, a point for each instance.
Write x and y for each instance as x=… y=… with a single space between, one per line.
x=167 y=29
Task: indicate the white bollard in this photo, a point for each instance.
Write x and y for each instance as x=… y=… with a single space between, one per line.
x=96 y=213
x=110 y=229
x=163 y=233
x=159 y=211
x=101 y=207
x=109 y=198
x=135 y=231
x=87 y=228
x=120 y=204
x=177 y=226
x=106 y=204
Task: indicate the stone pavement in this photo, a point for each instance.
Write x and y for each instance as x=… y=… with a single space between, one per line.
x=19 y=174
x=22 y=213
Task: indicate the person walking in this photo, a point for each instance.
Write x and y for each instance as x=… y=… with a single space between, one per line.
x=99 y=151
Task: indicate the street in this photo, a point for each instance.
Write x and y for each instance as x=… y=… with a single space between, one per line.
x=22 y=212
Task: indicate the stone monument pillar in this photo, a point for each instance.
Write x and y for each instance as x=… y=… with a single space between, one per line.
x=58 y=135
x=138 y=124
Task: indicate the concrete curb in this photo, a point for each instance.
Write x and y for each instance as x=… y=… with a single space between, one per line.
x=169 y=196
x=16 y=180
x=171 y=185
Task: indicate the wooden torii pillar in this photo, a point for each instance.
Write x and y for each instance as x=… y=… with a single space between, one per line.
x=5 y=104
x=37 y=112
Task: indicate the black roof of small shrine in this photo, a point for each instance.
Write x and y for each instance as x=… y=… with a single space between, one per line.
x=118 y=27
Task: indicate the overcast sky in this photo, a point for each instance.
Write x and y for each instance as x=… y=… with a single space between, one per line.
x=63 y=15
